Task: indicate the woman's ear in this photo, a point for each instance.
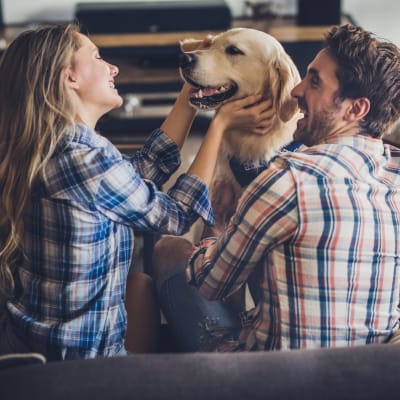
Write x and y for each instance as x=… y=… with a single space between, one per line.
x=71 y=79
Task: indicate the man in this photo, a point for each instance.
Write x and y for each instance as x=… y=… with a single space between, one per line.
x=320 y=227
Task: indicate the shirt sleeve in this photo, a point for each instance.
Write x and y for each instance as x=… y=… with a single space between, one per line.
x=265 y=217
x=158 y=159
x=94 y=176
x=128 y=191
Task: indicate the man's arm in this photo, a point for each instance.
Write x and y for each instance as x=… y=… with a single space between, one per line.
x=220 y=266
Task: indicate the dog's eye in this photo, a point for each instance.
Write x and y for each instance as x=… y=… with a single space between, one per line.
x=233 y=51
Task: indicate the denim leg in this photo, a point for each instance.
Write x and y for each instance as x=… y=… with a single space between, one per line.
x=196 y=323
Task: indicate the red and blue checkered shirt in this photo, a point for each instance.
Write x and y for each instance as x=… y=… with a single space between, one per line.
x=322 y=224
x=79 y=238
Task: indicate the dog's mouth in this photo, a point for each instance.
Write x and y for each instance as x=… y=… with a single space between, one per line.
x=210 y=97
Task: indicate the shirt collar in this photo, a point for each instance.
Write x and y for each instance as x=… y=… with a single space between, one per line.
x=81 y=134
x=367 y=144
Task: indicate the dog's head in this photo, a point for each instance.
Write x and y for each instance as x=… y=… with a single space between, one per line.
x=238 y=63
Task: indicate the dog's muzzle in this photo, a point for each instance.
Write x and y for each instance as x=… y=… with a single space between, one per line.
x=204 y=97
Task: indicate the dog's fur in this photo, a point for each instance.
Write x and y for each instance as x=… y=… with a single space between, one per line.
x=238 y=63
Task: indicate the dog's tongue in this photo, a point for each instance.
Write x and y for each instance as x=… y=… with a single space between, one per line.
x=209 y=91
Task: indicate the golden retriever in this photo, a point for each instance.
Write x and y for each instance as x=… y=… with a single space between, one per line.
x=237 y=63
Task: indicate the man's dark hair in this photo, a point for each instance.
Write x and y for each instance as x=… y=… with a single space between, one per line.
x=367 y=67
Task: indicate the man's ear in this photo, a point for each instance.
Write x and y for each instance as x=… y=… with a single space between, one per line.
x=71 y=79
x=359 y=109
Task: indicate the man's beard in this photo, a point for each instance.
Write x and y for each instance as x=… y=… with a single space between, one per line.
x=322 y=124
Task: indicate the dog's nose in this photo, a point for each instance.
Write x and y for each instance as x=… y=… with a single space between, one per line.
x=186 y=59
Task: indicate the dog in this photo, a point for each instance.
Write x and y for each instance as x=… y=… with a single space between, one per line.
x=237 y=63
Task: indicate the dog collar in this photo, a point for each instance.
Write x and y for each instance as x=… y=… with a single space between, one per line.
x=245 y=173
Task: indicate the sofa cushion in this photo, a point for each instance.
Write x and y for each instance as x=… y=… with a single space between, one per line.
x=368 y=372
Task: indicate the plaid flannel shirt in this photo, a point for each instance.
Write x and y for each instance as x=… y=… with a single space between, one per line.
x=79 y=238
x=323 y=226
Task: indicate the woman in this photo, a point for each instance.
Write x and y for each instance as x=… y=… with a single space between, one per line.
x=69 y=201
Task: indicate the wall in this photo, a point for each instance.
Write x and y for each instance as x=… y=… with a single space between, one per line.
x=16 y=11
x=380 y=17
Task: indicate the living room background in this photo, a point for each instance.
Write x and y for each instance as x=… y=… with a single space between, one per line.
x=380 y=17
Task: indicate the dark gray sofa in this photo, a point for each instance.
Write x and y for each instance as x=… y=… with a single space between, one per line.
x=369 y=372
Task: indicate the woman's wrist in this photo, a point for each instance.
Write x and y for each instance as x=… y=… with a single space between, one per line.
x=184 y=97
x=219 y=123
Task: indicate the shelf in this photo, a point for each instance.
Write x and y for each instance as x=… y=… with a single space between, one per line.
x=282 y=28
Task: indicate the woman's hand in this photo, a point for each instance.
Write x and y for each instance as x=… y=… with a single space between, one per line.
x=251 y=114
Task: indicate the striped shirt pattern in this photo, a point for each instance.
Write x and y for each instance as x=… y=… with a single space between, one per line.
x=322 y=224
x=79 y=238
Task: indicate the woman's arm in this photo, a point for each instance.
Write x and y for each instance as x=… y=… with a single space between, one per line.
x=179 y=121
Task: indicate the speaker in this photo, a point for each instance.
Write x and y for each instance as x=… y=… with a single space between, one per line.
x=318 y=12
x=153 y=17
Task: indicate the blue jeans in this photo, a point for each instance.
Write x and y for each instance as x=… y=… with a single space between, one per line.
x=196 y=323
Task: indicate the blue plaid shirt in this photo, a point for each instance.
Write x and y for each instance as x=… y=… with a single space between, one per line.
x=79 y=238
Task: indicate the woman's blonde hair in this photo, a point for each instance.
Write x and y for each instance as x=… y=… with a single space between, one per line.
x=35 y=114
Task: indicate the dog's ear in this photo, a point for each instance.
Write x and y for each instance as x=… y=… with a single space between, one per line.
x=188 y=45
x=282 y=83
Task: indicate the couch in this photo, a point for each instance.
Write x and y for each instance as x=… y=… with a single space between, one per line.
x=368 y=372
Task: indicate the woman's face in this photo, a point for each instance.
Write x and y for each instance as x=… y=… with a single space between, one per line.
x=92 y=80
